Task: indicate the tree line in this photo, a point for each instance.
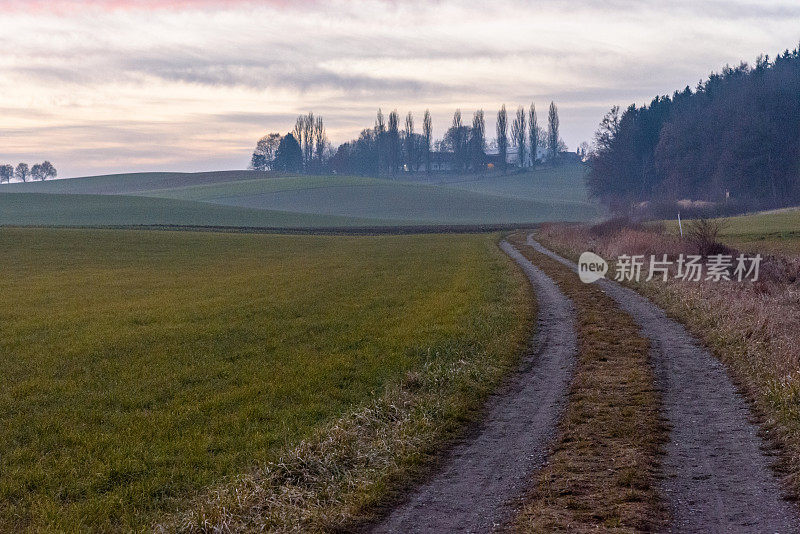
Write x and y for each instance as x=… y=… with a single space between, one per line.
x=735 y=138
x=39 y=171
x=394 y=146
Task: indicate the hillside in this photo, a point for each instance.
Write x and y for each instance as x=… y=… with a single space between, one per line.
x=44 y=209
x=247 y=198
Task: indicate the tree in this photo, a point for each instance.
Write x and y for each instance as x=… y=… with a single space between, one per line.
x=289 y=157
x=393 y=139
x=427 y=133
x=553 y=137
x=22 y=172
x=477 y=141
x=519 y=134
x=456 y=138
x=380 y=140
x=36 y=172
x=6 y=173
x=533 y=134
x=305 y=128
x=583 y=150
x=49 y=170
x=258 y=162
x=409 y=142
x=320 y=141
x=264 y=154
x=502 y=136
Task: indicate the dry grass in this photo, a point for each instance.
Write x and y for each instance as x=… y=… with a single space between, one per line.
x=334 y=480
x=602 y=474
x=751 y=327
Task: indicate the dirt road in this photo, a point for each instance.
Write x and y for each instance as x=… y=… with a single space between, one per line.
x=717 y=473
x=494 y=465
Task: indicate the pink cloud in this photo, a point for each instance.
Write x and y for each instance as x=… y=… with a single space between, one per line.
x=68 y=6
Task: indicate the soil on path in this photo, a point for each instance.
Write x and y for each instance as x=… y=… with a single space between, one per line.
x=717 y=475
x=483 y=475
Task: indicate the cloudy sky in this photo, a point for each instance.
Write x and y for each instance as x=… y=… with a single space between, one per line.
x=101 y=86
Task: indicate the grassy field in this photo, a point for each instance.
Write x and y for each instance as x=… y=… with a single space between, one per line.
x=562 y=184
x=541 y=195
x=769 y=231
x=45 y=209
x=127 y=184
x=141 y=367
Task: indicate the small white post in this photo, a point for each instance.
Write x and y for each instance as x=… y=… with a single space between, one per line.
x=680 y=225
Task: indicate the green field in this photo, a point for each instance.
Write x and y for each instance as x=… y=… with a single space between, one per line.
x=546 y=194
x=769 y=231
x=46 y=209
x=141 y=367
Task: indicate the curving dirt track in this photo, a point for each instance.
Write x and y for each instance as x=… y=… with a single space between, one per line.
x=717 y=473
x=482 y=475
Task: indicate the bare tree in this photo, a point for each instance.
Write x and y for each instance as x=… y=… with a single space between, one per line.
x=583 y=150
x=533 y=133
x=308 y=140
x=22 y=172
x=409 y=142
x=553 y=138
x=393 y=137
x=36 y=172
x=265 y=151
x=427 y=133
x=49 y=170
x=477 y=141
x=320 y=140
x=380 y=141
x=458 y=140
x=6 y=173
x=502 y=136
x=519 y=135
x=299 y=127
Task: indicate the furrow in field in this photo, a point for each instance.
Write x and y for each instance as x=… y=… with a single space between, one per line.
x=717 y=475
x=482 y=475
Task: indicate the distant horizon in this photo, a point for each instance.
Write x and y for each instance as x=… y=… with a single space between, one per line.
x=110 y=86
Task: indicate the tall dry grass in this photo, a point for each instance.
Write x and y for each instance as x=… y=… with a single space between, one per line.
x=753 y=327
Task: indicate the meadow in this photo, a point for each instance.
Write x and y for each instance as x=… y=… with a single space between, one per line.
x=544 y=194
x=142 y=367
x=47 y=209
x=769 y=231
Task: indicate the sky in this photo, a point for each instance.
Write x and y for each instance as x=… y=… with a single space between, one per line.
x=106 y=86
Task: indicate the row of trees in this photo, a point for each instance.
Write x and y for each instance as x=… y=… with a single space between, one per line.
x=735 y=137
x=392 y=146
x=39 y=171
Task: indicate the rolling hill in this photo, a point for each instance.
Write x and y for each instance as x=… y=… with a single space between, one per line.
x=247 y=198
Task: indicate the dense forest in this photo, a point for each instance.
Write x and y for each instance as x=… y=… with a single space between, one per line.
x=734 y=140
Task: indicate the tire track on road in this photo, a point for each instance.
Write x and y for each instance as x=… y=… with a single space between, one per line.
x=717 y=473
x=483 y=475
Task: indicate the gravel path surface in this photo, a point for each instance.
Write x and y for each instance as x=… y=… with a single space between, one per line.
x=474 y=490
x=717 y=472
